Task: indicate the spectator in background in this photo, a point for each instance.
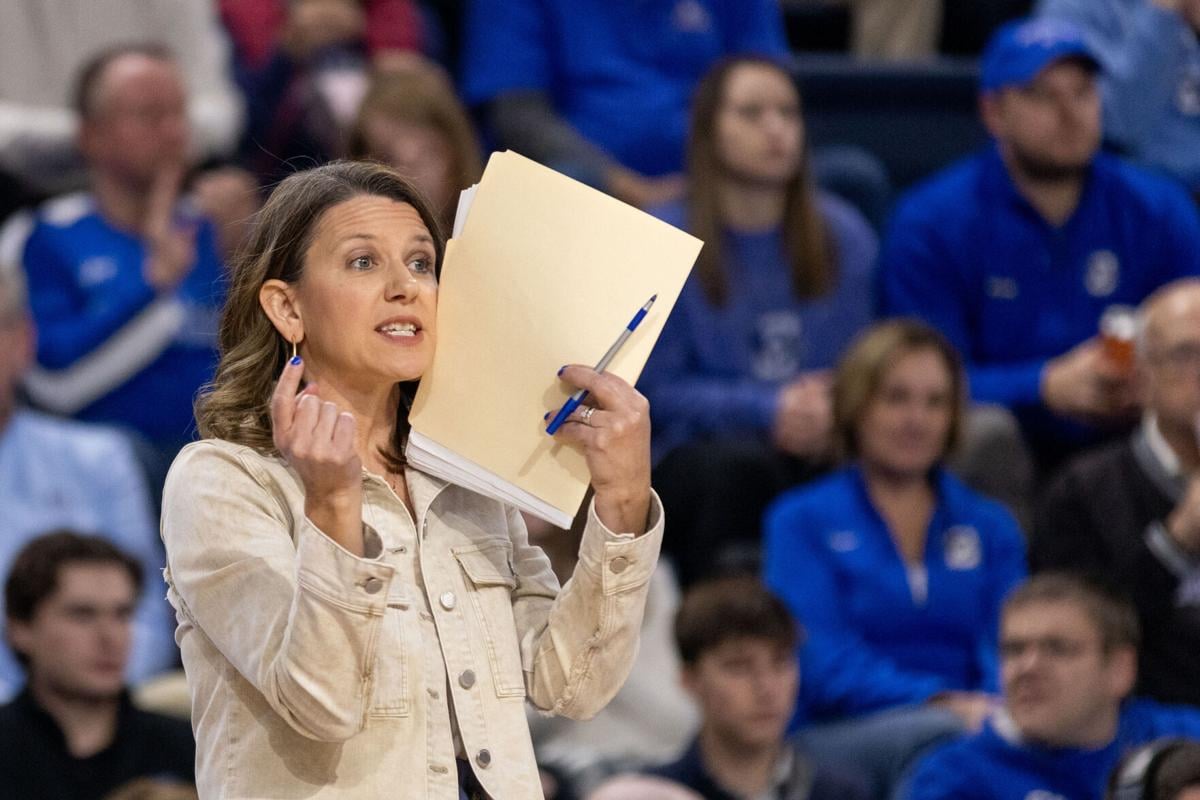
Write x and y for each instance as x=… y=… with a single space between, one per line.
x=738 y=383
x=265 y=30
x=1168 y=769
x=304 y=67
x=738 y=645
x=58 y=473
x=601 y=90
x=73 y=733
x=152 y=789
x=1068 y=653
x=1015 y=253
x=642 y=787
x=1151 y=57
x=125 y=281
x=413 y=120
x=45 y=46
x=649 y=720
x=1130 y=511
x=897 y=569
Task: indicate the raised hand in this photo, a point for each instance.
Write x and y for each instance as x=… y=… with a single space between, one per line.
x=804 y=421
x=1082 y=383
x=172 y=250
x=317 y=440
x=1183 y=523
x=614 y=433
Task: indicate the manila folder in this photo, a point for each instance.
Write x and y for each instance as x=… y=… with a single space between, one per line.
x=545 y=272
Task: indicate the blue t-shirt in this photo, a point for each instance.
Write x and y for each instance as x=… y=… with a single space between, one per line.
x=880 y=634
x=109 y=347
x=621 y=72
x=717 y=370
x=995 y=765
x=967 y=253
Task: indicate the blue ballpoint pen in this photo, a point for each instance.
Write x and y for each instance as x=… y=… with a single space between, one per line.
x=574 y=400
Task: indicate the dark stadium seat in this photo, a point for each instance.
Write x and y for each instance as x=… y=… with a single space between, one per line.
x=915 y=118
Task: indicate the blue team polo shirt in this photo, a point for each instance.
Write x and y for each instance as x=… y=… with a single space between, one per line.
x=966 y=252
x=621 y=72
x=996 y=765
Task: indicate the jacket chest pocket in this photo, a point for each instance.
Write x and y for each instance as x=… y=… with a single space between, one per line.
x=490 y=583
x=391 y=688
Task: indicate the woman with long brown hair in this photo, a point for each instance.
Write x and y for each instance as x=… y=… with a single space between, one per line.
x=738 y=381
x=411 y=120
x=350 y=626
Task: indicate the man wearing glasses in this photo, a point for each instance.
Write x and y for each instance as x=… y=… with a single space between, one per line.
x=1130 y=512
x=1068 y=662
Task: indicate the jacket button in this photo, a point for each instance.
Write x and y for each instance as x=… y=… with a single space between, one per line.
x=447 y=600
x=483 y=758
x=467 y=679
x=619 y=564
x=372 y=585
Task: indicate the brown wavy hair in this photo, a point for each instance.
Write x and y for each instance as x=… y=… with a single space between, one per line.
x=862 y=368
x=809 y=247
x=425 y=96
x=236 y=405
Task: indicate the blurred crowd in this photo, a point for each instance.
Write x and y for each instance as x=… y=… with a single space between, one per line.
x=929 y=450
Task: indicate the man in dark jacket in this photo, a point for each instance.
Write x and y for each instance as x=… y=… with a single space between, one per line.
x=73 y=734
x=1130 y=512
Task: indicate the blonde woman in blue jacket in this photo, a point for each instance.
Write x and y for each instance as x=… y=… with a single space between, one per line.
x=896 y=569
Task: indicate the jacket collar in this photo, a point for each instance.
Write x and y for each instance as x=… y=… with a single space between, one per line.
x=423 y=489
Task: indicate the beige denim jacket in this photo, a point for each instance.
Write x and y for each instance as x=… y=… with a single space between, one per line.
x=318 y=674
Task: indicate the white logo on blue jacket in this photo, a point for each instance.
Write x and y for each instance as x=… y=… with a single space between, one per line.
x=961 y=548
x=1000 y=287
x=690 y=16
x=1042 y=794
x=843 y=541
x=1103 y=273
x=96 y=270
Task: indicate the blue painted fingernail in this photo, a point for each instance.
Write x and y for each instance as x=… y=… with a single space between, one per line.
x=294 y=360
x=546 y=415
x=560 y=369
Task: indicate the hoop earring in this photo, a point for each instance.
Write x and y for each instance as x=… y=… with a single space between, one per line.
x=295 y=350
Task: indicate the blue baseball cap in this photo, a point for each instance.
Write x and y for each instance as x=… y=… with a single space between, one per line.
x=1021 y=49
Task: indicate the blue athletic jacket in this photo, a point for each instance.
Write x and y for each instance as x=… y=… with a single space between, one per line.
x=996 y=765
x=876 y=637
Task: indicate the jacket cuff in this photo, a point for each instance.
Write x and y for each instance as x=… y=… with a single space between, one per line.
x=1168 y=552
x=623 y=561
x=339 y=576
